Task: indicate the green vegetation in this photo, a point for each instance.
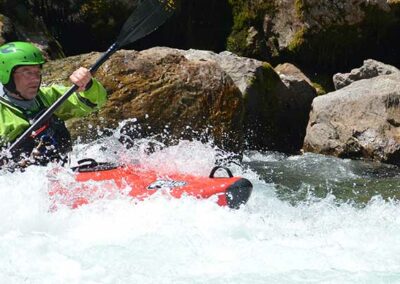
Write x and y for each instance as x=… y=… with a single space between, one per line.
x=298 y=40
x=300 y=7
x=322 y=82
x=246 y=14
x=272 y=78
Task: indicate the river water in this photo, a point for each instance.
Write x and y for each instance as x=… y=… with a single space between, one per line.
x=310 y=218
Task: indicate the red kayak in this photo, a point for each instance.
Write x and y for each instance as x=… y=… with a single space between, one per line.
x=92 y=180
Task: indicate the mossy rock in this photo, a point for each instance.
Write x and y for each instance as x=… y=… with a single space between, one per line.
x=246 y=14
x=337 y=45
x=340 y=47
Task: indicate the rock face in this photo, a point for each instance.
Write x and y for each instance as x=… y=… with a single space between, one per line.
x=360 y=120
x=317 y=34
x=95 y=24
x=7 y=29
x=285 y=25
x=17 y=23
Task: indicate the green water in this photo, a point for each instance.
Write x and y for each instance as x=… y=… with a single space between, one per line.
x=309 y=177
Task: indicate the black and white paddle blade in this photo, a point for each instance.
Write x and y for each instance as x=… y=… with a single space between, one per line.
x=148 y=16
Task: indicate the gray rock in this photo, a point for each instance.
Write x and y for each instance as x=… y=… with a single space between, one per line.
x=371 y=68
x=242 y=70
x=360 y=120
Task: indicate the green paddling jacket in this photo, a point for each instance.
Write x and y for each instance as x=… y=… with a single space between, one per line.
x=14 y=120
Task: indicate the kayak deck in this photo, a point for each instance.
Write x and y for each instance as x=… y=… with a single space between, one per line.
x=94 y=181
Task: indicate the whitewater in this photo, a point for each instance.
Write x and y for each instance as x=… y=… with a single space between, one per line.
x=294 y=229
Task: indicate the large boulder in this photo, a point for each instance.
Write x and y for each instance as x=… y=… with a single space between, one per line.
x=361 y=120
x=161 y=92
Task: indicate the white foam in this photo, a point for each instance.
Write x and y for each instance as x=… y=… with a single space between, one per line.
x=165 y=240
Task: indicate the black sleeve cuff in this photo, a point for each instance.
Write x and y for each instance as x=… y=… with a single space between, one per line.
x=89 y=85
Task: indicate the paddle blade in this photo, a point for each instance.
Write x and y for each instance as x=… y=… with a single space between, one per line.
x=147 y=17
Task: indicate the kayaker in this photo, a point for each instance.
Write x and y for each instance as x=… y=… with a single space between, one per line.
x=23 y=99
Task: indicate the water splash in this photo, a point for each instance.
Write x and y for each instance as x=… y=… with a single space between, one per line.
x=163 y=240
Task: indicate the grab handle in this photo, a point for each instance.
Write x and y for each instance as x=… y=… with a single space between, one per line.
x=220 y=167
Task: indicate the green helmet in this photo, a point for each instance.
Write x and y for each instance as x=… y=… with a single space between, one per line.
x=13 y=54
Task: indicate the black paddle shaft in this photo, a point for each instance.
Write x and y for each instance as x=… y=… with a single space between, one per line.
x=147 y=17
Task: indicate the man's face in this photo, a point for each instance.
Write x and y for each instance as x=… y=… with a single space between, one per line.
x=27 y=80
